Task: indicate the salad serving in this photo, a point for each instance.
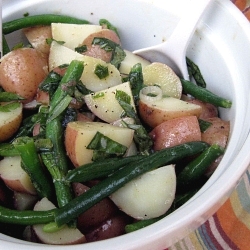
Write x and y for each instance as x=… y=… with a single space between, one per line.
x=95 y=141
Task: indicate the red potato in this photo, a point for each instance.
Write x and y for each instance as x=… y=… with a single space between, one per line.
x=111 y=228
x=42 y=97
x=95 y=50
x=37 y=37
x=14 y=176
x=10 y=122
x=79 y=134
x=217 y=133
x=24 y=201
x=97 y=214
x=65 y=236
x=176 y=131
x=21 y=72
x=157 y=112
x=208 y=109
x=163 y=76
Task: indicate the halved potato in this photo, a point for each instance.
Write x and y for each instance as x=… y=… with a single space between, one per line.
x=62 y=55
x=163 y=76
x=21 y=72
x=73 y=34
x=130 y=60
x=175 y=132
x=154 y=113
x=104 y=104
x=10 y=122
x=37 y=36
x=79 y=134
x=65 y=236
x=14 y=176
x=149 y=195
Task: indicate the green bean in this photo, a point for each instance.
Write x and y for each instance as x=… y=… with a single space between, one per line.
x=99 y=169
x=45 y=19
x=204 y=94
x=56 y=162
x=25 y=217
x=6 y=48
x=32 y=166
x=194 y=71
x=109 y=185
x=62 y=96
x=196 y=168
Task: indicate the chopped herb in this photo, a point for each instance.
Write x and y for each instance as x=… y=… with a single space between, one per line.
x=101 y=71
x=204 y=125
x=50 y=40
x=141 y=137
x=105 y=147
x=50 y=83
x=135 y=78
x=82 y=88
x=118 y=53
x=18 y=46
x=8 y=97
x=9 y=107
x=81 y=49
x=69 y=116
x=98 y=95
x=106 y=24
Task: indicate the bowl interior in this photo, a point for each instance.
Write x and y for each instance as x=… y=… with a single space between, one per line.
x=220 y=47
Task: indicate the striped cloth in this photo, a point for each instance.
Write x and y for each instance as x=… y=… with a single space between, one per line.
x=229 y=227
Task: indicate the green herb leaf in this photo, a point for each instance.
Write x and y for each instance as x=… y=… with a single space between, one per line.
x=50 y=83
x=9 y=106
x=125 y=102
x=204 y=125
x=118 y=53
x=104 y=147
x=50 y=40
x=106 y=24
x=101 y=71
x=136 y=81
x=8 y=97
x=81 y=49
x=141 y=137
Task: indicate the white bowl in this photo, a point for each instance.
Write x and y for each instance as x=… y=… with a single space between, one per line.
x=221 y=48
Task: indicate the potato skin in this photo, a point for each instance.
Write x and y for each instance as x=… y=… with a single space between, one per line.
x=176 y=131
x=95 y=50
x=21 y=72
x=111 y=228
x=9 y=126
x=217 y=133
x=37 y=36
x=97 y=214
x=154 y=115
x=208 y=109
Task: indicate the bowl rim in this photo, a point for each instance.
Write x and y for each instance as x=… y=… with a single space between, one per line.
x=208 y=202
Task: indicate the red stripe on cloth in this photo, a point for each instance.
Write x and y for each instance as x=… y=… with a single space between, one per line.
x=222 y=233
x=211 y=235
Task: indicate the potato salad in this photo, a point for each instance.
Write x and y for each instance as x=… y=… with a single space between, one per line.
x=95 y=141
